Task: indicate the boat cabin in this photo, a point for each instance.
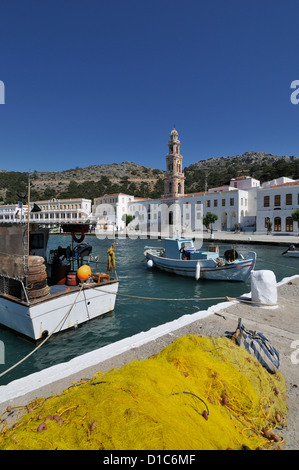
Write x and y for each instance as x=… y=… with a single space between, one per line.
x=183 y=249
x=28 y=270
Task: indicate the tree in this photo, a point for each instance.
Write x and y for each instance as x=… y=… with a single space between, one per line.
x=209 y=219
x=127 y=218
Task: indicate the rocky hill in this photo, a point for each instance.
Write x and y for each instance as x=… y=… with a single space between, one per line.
x=138 y=180
x=214 y=172
x=89 y=182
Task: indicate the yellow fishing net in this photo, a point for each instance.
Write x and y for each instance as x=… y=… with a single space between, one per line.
x=198 y=393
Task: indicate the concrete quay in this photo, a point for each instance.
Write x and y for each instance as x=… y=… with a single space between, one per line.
x=279 y=323
x=252 y=238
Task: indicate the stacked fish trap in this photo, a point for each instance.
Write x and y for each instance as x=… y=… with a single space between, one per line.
x=37 y=278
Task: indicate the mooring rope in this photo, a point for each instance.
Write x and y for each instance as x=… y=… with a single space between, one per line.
x=46 y=339
x=193 y=299
x=281 y=265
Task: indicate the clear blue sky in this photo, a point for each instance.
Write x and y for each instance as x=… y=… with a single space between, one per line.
x=102 y=81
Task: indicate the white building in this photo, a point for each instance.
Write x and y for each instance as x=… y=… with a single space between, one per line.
x=275 y=204
x=231 y=206
x=52 y=212
x=110 y=210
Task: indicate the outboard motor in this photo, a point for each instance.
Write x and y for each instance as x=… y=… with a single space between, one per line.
x=231 y=255
x=291 y=248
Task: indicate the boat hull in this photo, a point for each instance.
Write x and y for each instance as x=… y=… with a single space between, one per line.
x=293 y=254
x=208 y=269
x=57 y=312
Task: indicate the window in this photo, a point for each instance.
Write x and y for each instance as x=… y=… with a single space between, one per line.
x=208 y=203
x=289 y=224
x=277 y=200
x=215 y=203
x=231 y=201
x=266 y=201
x=277 y=224
x=288 y=199
x=223 y=202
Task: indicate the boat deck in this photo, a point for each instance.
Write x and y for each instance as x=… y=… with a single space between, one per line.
x=58 y=288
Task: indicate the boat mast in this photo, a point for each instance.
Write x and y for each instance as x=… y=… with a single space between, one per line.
x=28 y=226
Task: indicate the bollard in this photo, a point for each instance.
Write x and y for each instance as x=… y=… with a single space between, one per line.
x=263 y=287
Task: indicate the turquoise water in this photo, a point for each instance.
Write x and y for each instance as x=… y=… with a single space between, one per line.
x=132 y=316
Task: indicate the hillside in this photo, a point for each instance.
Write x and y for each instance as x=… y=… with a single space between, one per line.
x=89 y=182
x=215 y=172
x=127 y=177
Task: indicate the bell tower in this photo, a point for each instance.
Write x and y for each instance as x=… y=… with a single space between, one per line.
x=174 y=177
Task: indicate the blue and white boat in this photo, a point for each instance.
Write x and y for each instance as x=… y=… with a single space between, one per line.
x=292 y=252
x=179 y=256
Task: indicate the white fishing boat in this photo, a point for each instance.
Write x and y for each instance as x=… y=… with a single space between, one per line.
x=292 y=252
x=40 y=291
x=179 y=256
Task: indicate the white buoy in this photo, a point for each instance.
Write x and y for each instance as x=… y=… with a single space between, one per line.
x=263 y=287
x=150 y=263
x=197 y=271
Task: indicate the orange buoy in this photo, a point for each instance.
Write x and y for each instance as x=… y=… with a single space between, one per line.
x=84 y=272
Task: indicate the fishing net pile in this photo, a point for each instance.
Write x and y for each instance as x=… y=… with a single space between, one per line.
x=198 y=393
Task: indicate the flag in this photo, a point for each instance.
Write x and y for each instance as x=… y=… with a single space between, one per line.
x=35 y=208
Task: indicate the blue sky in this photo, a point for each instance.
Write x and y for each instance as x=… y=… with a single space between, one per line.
x=101 y=81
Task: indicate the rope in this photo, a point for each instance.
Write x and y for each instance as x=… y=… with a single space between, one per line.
x=281 y=265
x=46 y=339
x=195 y=299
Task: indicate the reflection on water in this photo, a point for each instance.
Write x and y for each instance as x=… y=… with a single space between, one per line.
x=134 y=315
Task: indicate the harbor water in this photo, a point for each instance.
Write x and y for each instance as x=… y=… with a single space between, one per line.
x=132 y=314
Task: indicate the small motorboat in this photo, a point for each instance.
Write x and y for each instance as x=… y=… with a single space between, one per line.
x=292 y=252
x=179 y=256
